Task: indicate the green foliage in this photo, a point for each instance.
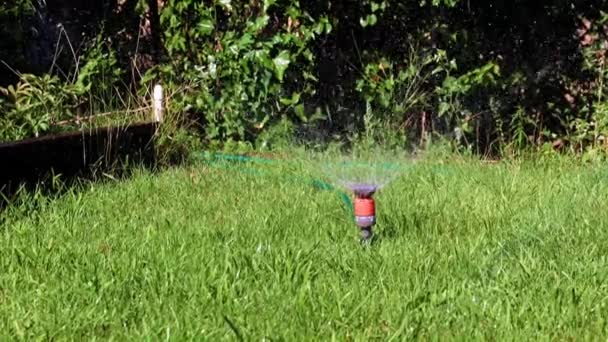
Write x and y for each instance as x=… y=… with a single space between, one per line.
x=33 y=106
x=175 y=141
x=447 y=3
x=12 y=9
x=454 y=90
x=233 y=60
x=100 y=73
x=519 y=138
x=235 y=69
x=376 y=9
x=29 y=108
x=591 y=130
x=396 y=93
x=278 y=136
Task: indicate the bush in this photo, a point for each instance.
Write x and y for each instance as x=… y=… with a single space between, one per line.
x=36 y=105
x=492 y=77
x=239 y=66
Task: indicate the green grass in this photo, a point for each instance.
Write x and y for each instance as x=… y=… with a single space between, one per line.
x=464 y=251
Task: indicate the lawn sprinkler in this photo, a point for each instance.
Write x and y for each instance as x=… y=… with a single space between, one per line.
x=364 y=208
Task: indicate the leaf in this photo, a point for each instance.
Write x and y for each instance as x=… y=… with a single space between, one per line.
x=259 y=23
x=205 y=27
x=328 y=26
x=323 y=26
x=437 y=70
x=245 y=41
x=261 y=56
x=227 y=4
x=444 y=107
x=267 y=4
x=372 y=19
x=295 y=98
x=281 y=63
x=299 y=110
x=260 y=125
x=213 y=69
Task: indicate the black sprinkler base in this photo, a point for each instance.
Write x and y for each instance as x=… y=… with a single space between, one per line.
x=366 y=234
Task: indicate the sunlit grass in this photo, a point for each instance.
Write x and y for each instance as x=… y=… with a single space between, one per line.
x=464 y=250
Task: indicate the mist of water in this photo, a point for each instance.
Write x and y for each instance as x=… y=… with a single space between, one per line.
x=365 y=172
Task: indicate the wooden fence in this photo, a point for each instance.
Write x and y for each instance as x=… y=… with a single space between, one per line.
x=76 y=154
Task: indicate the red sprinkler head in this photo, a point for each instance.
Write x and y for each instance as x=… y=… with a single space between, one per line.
x=365 y=208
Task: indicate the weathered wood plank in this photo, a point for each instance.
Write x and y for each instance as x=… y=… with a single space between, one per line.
x=75 y=154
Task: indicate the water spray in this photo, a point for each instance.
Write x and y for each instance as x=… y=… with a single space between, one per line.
x=362 y=178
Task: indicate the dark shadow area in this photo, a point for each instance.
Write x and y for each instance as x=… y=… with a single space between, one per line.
x=535 y=44
x=74 y=156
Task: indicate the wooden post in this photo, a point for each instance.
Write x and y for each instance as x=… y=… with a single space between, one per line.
x=158 y=103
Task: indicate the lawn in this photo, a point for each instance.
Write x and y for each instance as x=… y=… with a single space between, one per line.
x=464 y=250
